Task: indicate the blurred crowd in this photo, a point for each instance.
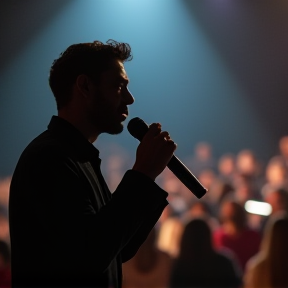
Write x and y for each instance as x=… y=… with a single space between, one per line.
x=212 y=242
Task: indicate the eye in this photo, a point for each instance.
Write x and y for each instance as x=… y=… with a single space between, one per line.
x=121 y=86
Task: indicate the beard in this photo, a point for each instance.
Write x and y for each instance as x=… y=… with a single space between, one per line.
x=106 y=116
x=105 y=122
x=114 y=129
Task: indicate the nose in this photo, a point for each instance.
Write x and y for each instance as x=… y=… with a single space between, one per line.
x=128 y=97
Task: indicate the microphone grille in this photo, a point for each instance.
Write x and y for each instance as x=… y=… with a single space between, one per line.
x=137 y=128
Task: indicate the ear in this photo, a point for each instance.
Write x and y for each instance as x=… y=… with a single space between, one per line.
x=83 y=84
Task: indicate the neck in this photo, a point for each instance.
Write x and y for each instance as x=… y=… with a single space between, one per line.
x=80 y=124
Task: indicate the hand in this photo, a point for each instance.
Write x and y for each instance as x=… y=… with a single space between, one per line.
x=154 y=152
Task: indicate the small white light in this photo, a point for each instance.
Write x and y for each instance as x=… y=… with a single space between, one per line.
x=257 y=207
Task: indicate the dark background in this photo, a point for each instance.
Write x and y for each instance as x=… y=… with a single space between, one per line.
x=207 y=70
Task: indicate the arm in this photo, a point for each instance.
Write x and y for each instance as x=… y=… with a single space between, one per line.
x=51 y=205
x=65 y=217
x=140 y=236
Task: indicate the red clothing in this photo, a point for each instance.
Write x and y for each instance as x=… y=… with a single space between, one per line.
x=5 y=278
x=244 y=245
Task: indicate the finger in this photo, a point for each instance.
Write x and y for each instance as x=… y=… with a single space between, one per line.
x=170 y=144
x=164 y=139
x=154 y=130
x=164 y=135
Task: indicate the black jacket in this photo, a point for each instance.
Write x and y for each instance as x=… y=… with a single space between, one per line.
x=66 y=228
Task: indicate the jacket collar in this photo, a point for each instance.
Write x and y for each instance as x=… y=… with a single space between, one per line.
x=73 y=138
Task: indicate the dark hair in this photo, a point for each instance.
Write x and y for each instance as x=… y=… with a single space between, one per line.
x=83 y=58
x=196 y=240
x=274 y=247
x=5 y=251
x=237 y=216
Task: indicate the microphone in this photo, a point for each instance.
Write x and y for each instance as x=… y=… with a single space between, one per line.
x=138 y=128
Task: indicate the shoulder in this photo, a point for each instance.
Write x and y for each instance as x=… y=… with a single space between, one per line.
x=42 y=144
x=44 y=157
x=44 y=149
x=225 y=256
x=228 y=259
x=255 y=262
x=254 y=271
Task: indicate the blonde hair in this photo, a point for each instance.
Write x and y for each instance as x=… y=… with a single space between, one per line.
x=275 y=249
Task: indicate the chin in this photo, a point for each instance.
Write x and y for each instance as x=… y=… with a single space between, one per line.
x=116 y=129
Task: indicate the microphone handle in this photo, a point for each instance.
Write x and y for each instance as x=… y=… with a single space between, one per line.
x=186 y=177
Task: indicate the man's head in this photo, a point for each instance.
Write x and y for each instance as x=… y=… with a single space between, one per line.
x=90 y=59
x=90 y=79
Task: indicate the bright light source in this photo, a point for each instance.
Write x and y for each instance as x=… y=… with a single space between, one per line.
x=257 y=207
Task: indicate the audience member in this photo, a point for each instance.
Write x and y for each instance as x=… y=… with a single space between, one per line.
x=150 y=267
x=226 y=168
x=283 y=148
x=116 y=161
x=223 y=182
x=247 y=163
x=201 y=159
x=268 y=268
x=234 y=233
x=244 y=190
x=169 y=235
x=167 y=212
x=278 y=199
x=4 y=190
x=198 y=264
x=250 y=168
x=200 y=209
x=5 y=268
x=208 y=179
x=4 y=224
x=179 y=195
x=276 y=173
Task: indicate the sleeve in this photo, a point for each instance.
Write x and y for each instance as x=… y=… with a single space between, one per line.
x=65 y=218
x=141 y=234
x=143 y=203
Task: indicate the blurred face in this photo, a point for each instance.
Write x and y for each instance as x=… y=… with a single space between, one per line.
x=227 y=210
x=198 y=210
x=243 y=193
x=275 y=174
x=283 y=145
x=246 y=163
x=226 y=165
x=203 y=151
x=110 y=97
x=207 y=177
